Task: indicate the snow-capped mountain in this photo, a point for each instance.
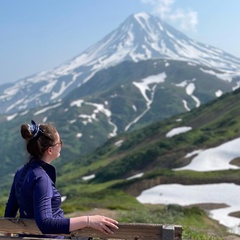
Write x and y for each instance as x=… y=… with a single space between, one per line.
x=140 y=37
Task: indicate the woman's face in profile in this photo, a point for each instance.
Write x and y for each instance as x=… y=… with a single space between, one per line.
x=56 y=147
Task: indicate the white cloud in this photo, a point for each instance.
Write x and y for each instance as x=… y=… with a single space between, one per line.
x=163 y=7
x=186 y=19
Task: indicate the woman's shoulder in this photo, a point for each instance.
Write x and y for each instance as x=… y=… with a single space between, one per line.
x=34 y=172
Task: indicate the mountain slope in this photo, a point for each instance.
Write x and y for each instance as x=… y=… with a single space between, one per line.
x=153 y=148
x=144 y=92
x=136 y=94
x=140 y=37
x=144 y=150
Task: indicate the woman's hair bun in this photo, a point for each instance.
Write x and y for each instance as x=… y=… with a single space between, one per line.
x=25 y=132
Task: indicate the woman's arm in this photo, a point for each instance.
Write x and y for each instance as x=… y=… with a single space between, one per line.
x=43 y=194
x=12 y=204
x=47 y=212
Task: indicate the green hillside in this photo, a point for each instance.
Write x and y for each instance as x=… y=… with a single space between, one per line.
x=110 y=104
x=148 y=150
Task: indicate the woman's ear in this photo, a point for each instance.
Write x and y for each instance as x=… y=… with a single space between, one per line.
x=49 y=150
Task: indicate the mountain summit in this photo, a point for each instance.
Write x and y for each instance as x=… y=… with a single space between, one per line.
x=140 y=37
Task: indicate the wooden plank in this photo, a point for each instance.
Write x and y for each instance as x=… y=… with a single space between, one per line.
x=126 y=231
x=26 y=238
x=16 y=225
x=178 y=232
x=136 y=231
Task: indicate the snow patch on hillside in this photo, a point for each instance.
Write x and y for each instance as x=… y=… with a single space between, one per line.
x=212 y=159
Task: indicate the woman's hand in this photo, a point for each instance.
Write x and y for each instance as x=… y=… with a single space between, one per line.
x=103 y=224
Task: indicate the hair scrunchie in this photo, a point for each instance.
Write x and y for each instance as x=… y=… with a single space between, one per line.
x=34 y=128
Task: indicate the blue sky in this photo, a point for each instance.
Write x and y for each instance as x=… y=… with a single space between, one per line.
x=38 y=35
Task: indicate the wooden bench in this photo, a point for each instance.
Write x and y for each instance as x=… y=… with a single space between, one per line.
x=135 y=231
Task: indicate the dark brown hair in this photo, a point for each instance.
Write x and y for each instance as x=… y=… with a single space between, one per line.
x=37 y=145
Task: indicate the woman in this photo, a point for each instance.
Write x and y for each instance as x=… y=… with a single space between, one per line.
x=33 y=191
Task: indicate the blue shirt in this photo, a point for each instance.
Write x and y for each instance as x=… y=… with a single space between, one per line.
x=34 y=194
